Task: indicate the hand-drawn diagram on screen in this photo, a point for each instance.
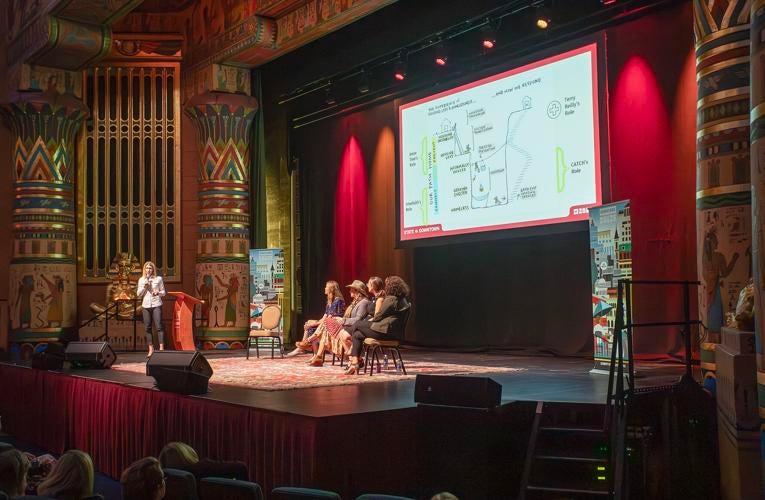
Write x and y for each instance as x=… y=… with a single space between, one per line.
x=516 y=149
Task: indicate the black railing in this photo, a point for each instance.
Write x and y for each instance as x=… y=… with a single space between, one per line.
x=621 y=379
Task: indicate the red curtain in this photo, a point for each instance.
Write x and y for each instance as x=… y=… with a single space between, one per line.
x=118 y=424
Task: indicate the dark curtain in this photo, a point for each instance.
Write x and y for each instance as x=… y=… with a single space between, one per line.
x=258 y=171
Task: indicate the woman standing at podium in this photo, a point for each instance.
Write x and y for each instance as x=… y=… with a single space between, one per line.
x=151 y=289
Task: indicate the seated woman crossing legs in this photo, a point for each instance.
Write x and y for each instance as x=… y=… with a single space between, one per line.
x=358 y=310
x=386 y=323
x=335 y=307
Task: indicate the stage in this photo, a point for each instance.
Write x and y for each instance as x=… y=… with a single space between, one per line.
x=322 y=436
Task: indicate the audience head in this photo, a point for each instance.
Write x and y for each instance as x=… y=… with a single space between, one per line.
x=177 y=456
x=143 y=480
x=71 y=477
x=332 y=290
x=358 y=290
x=375 y=284
x=397 y=287
x=13 y=472
x=444 y=495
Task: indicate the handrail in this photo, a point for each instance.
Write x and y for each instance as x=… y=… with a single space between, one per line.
x=105 y=311
x=620 y=391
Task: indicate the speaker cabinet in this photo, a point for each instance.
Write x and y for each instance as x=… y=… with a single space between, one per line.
x=90 y=354
x=51 y=358
x=468 y=392
x=184 y=372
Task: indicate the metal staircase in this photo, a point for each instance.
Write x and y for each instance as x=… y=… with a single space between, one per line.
x=586 y=457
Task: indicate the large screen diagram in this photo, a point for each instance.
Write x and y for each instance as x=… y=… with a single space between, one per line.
x=517 y=149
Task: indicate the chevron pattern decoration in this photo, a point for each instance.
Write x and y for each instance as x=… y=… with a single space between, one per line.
x=223 y=122
x=42 y=270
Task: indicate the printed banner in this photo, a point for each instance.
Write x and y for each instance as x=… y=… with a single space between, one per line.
x=266 y=282
x=610 y=261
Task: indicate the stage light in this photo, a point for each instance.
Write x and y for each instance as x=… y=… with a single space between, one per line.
x=329 y=97
x=399 y=70
x=608 y=2
x=363 y=82
x=543 y=17
x=441 y=56
x=488 y=36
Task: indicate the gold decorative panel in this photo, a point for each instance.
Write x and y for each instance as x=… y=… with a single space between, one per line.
x=129 y=169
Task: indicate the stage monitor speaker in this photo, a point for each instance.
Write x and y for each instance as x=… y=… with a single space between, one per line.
x=90 y=354
x=184 y=372
x=468 y=392
x=51 y=358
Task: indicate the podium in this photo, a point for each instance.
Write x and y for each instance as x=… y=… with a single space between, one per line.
x=183 y=321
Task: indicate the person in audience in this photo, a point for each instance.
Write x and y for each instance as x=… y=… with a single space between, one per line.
x=71 y=478
x=143 y=480
x=384 y=324
x=13 y=473
x=342 y=345
x=359 y=309
x=183 y=457
x=335 y=307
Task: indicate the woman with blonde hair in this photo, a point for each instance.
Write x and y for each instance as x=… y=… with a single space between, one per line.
x=181 y=456
x=335 y=307
x=71 y=478
x=151 y=289
x=177 y=455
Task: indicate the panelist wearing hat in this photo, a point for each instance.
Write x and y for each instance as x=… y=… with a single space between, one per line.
x=358 y=309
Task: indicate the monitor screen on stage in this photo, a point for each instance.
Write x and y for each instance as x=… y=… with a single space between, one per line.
x=517 y=149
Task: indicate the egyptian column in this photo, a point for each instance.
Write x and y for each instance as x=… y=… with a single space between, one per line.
x=723 y=209
x=223 y=121
x=757 y=116
x=42 y=273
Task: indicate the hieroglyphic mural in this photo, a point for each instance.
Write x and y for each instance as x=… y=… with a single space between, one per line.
x=42 y=270
x=223 y=123
x=757 y=117
x=722 y=153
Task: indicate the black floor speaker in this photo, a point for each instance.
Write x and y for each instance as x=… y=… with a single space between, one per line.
x=90 y=354
x=468 y=392
x=51 y=358
x=184 y=372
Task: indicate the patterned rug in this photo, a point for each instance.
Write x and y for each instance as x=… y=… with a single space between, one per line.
x=294 y=373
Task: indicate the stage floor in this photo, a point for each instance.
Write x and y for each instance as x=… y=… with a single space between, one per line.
x=523 y=378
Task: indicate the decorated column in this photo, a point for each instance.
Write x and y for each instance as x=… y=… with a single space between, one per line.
x=723 y=222
x=223 y=123
x=757 y=116
x=42 y=272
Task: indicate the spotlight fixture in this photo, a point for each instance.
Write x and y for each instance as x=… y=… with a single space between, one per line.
x=399 y=70
x=329 y=98
x=543 y=17
x=363 y=82
x=441 y=56
x=488 y=36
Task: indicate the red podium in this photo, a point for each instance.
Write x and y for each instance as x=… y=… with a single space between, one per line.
x=183 y=321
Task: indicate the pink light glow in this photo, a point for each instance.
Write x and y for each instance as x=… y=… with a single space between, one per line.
x=351 y=213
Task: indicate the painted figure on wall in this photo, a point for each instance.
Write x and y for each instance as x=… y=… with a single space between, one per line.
x=232 y=293
x=206 y=292
x=24 y=300
x=715 y=267
x=55 y=300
